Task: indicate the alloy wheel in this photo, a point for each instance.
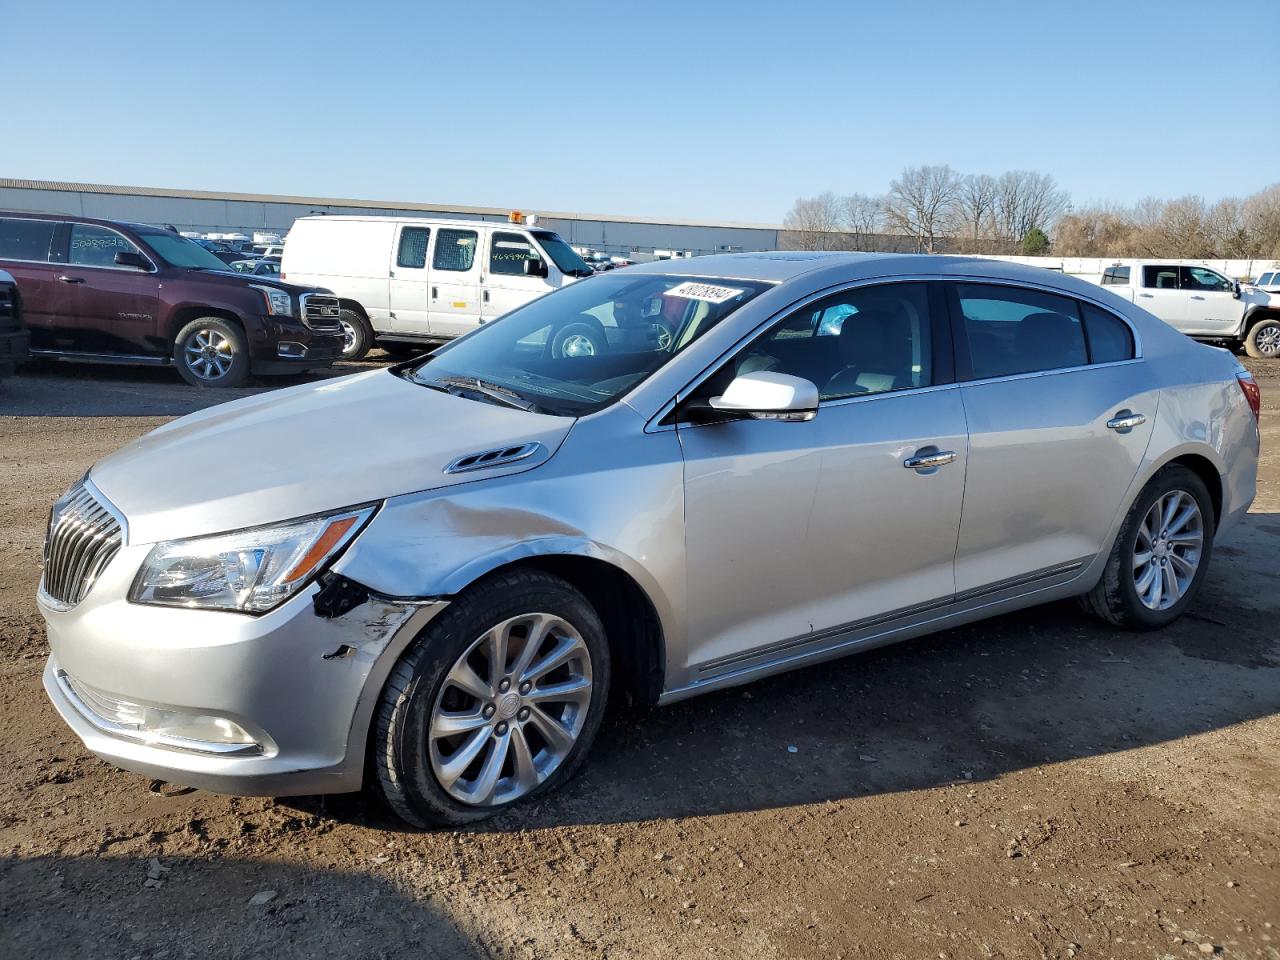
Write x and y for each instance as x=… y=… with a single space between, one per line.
x=576 y=345
x=1167 y=550
x=209 y=354
x=1267 y=340
x=510 y=710
x=348 y=336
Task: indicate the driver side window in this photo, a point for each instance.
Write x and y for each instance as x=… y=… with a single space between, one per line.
x=863 y=341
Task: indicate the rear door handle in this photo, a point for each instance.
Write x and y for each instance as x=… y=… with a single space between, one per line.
x=1197 y=298
x=66 y=279
x=485 y=296
x=435 y=293
x=1147 y=295
x=1125 y=420
x=929 y=461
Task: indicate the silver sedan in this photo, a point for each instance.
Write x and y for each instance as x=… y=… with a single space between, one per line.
x=663 y=480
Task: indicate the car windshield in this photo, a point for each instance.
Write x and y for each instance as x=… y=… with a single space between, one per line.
x=563 y=255
x=180 y=251
x=579 y=349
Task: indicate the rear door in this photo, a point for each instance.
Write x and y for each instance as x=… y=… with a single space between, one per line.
x=506 y=285
x=409 y=291
x=1053 y=396
x=105 y=308
x=455 y=281
x=1213 y=309
x=1159 y=294
x=29 y=252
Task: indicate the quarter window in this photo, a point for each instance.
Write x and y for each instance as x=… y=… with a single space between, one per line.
x=26 y=239
x=1115 y=277
x=455 y=250
x=412 y=251
x=862 y=341
x=1109 y=337
x=94 y=246
x=508 y=253
x=1013 y=330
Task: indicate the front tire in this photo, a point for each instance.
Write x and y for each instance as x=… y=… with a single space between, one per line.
x=1263 y=341
x=1161 y=555
x=496 y=702
x=357 y=335
x=211 y=352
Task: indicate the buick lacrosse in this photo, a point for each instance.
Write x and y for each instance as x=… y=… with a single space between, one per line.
x=658 y=482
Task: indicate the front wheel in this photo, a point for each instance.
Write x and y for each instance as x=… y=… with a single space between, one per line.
x=1263 y=341
x=211 y=352
x=1161 y=555
x=357 y=335
x=497 y=701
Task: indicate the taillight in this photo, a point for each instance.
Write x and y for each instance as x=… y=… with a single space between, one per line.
x=1249 y=387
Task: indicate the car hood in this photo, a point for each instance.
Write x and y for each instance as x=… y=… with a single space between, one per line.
x=307 y=449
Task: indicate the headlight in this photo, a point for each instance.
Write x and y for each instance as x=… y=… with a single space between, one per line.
x=248 y=570
x=279 y=302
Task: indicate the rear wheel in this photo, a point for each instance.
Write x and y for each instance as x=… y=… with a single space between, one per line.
x=211 y=352
x=579 y=339
x=357 y=335
x=497 y=701
x=1263 y=341
x=1161 y=556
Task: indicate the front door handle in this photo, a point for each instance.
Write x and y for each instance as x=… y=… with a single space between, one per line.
x=485 y=296
x=1197 y=297
x=929 y=459
x=435 y=293
x=1147 y=295
x=65 y=279
x=1125 y=420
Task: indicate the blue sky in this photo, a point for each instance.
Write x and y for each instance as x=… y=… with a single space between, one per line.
x=724 y=111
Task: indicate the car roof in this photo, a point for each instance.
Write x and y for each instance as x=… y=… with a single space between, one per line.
x=424 y=221
x=76 y=218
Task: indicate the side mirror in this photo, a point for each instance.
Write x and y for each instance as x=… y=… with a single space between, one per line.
x=535 y=268
x=127 y=258
x=768 y=396
x=1235 y=289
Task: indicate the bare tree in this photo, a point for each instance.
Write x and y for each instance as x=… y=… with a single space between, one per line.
x=863 y=219
x=814 y=222
x=1262 y=222
x=974 y=208
x=920 y=201
x=1025 y=199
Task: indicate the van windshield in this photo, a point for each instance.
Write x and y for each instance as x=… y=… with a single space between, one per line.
x=179 y=251
x=579 y=349
x=563 y=255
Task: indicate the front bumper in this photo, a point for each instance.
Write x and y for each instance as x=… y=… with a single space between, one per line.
x=309 y=715
x=285 y=345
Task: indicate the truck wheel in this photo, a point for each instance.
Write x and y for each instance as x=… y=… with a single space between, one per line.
x=1263 y=341
x=210 y=352
x=579 y=339
x=496 y=702
x=357 y=335
x=1160 y=556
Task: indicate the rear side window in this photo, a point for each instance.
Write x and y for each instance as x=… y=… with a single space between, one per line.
x=1115 y=277
x=1109 y=337
x=94 y=246
x=26 y=239
x=455 y=250
x=1160 y=277
x=1015 y=330
x=1265 y=280
x=508 y=252
x=412 y=251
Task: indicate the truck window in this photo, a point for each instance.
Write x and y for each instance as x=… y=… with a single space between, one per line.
x=412 y=251
x=455 y=250
x=1160 y=277
x=508 y=252
x=94 y=246
x=1202 y=278
x=1265 y=279
x=1115 y=277
x=26 y=239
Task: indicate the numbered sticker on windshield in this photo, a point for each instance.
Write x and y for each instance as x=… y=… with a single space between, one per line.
x=703 y=291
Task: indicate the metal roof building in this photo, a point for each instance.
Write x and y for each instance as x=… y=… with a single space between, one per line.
x=210 y=211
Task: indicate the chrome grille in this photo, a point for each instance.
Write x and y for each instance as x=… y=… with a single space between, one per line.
x=83 y=537
x=321 y=311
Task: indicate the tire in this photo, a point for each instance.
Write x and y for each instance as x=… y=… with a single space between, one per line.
x=357 y=335
x=579 y=339
x=211 y=352
x=412 y=758
x=1119 y=597
x=1263 y=341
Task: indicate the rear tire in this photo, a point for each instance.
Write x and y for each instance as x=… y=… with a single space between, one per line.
x=357 y=335
x=211 y=352
x=1172 y=544
x=1263 y=341
x=445 y=696
x=579 y=339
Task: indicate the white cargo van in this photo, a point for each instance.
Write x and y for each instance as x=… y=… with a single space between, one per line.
x=408 y=281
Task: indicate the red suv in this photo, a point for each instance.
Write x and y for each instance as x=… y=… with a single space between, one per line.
x=113 y=292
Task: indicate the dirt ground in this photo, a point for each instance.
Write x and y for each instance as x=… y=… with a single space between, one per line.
x=1032 y=786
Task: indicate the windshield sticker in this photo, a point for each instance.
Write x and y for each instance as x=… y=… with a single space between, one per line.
x=703 y=291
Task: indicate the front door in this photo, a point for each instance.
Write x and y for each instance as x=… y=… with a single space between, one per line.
x=455 y=282
x=1213 y=309
x=409 y=289
x=105 y=308
x=1058 y=427
x=506 y=285
x=1159 y=294
x=799 y=533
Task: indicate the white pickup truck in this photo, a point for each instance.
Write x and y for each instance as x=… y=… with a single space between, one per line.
x=1200 y=302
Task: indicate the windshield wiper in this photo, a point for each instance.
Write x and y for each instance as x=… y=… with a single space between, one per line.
x=492 y=391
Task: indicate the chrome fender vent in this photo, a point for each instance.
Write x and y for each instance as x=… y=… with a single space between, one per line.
x=501 y=457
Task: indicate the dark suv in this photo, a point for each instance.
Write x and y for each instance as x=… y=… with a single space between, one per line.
x=127 y=293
